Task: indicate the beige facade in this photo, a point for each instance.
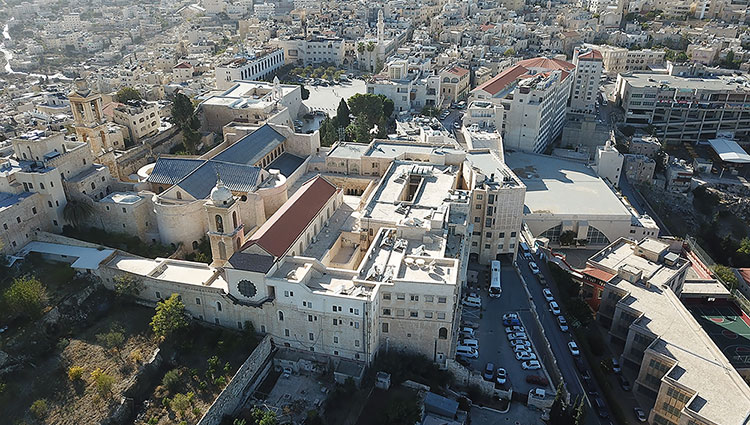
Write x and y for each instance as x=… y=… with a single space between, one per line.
x=454 y=84
x=140 y=117
x=617 y=60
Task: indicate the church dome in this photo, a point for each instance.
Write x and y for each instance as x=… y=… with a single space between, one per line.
x=221 y=194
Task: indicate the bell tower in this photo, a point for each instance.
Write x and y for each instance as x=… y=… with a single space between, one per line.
x=225 y=229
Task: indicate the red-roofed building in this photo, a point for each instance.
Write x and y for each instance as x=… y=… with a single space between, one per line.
x=182 y=72
x=534 y=96
x=588 y=74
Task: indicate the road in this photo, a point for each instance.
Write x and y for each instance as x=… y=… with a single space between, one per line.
x=558 y=340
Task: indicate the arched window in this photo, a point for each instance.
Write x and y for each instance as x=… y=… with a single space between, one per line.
x=179 y=195
x=281 y=316
x=443 y=333
x=234 y=219
x=195 y=244
x=93 y=186
x=596 y=237
x=553 y=234
x=219 y=224
x=218 y=305
x=222 y=250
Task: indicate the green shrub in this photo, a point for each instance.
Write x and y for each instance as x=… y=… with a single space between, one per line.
x=39 y=408
x=103 y=382
x=171 y=380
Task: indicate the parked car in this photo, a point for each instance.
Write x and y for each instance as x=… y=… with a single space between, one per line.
x=600 y=407
x=464 y=361
x=537 y=380
x=554 y=308
x=624 y=383
x=548 y=295
x=534 y=268
x=470 y=343
x=519 y=335
x=501 y=376
x=573 y=347
x=525 y=355
x=519 y=348
x=640 y=414
x=562 y=323
x=512 y=322
x=468 y=331
x=531 y=365
x=466 y=351
x=457 y=124
x=514 y=329
x=580 y=365
x=474 y=302
x=523 y=342
x=489 y=372
x=616 y=366
x=508 y=316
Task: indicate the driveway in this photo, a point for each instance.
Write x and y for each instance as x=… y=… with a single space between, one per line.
x=493 y=343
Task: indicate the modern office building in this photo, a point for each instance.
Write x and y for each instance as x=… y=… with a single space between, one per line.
x=684 y=108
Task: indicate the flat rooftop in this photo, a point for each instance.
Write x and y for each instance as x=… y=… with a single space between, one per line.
x=621 y=254
x=86 y=258
x=558 y=186
x=395 y=150
x=411 y=192
x=729 y=83
x=349 y=150
x=185 y=272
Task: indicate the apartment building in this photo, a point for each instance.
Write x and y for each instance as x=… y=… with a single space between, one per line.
x=587 y=75
x=534 y=97
x=618 y=60
x=684 y=108
x=255 y=66
x=265 y=10
x=409 y=83
x=454 y=84
x=644 y=145
x=678 y=366
x=141 y=118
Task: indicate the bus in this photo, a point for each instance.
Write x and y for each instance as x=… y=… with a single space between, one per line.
x=496 y=288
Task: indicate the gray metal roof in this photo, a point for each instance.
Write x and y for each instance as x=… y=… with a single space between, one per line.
x=251 y=262
x=172 y=170
x=286 y=163
x=237 y=177
x=253 y=147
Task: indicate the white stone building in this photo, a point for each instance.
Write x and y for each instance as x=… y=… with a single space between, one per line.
x=253 y=67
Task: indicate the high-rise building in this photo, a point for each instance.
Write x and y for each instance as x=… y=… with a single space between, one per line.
x=588 y=72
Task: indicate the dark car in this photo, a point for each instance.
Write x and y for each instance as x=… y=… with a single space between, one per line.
x=624 y=383
x=464 y=361
x=537 y=380
x=601 y=409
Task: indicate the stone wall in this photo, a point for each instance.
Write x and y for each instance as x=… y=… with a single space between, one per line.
x=241 y=385
x=467 y=378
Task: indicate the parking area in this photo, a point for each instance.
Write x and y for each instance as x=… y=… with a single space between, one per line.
x=494 y=346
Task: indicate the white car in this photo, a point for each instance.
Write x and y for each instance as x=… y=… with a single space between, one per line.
x=525 y=355
x=514 y=329
x=510 y=316
x=521 y=342
x=554 y=308
x=534 y=268
x=520 y=347
x=531 y=365
x=469 y=332
x=519 y=335
x=573 y=347
x=501 y=376
x=548 y=295
x=563 y=323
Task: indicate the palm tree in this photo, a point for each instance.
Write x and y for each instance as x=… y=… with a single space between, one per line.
x=78 y=210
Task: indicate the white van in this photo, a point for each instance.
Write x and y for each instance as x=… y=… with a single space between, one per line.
x=473 y=343
x=475 y=302
x=468 y=332
x=470 y=352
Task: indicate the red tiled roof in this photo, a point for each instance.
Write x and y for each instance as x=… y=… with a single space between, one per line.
x=458 y=71
x=280 y=231
x=547 y=63
x=745 y=275
x=591 y=55
x=502 y=80
x=486 y=27
x=598 y=274
x=183 y=65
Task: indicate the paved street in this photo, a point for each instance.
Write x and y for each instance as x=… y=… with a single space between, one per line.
x=558 y=339
x=327 y=99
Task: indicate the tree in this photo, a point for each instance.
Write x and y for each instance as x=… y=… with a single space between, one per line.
x=744 y=246
x=328 y=132
x=726 y=274
x=567 y=237
x=360 y=129
x=78 y=210
x=103 y=382
x=39 y=408
x=127 y=93
x=402 y=411
x=127 y=285
x=509 y=52
x=171 y=380
x=263 y=417
x=180 y=403
x=388 y=106
x=26 y=297
x=113 y=339
x=169 y=317
x=342 y=114
x=557 y=411
x=305 y=92
x=183 y=116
